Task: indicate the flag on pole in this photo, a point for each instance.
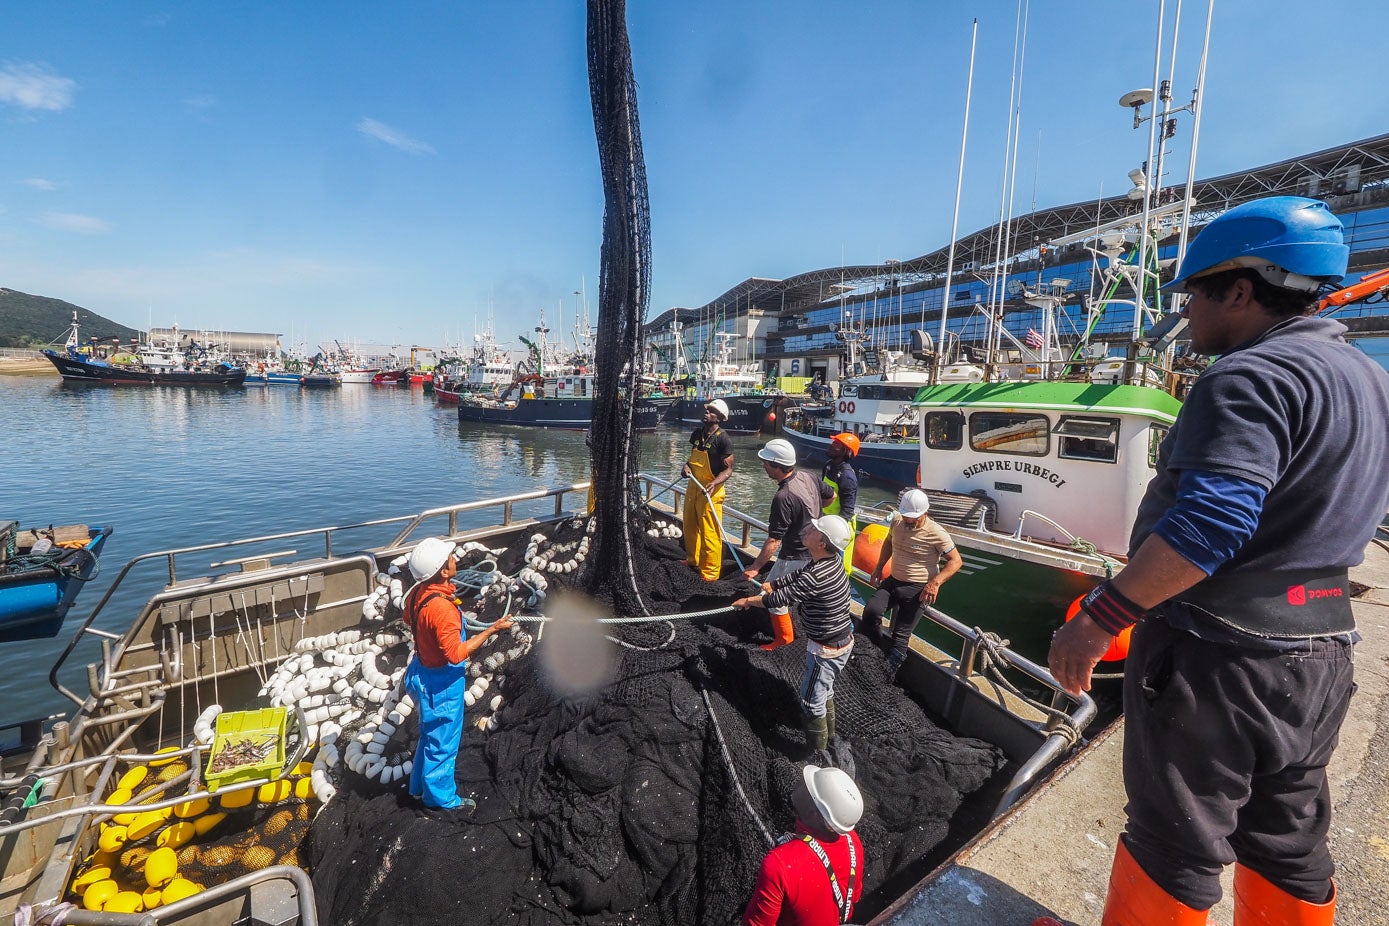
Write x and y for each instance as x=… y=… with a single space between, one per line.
x=1033 y=339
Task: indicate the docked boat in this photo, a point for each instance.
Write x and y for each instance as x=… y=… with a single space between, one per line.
x=560 y=402
x=155 y=714
x=752 y=407
x=41 y=572
x=152 y=366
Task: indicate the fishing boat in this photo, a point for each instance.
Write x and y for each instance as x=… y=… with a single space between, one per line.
x=752 y=405
x=147 y=725
x=153 y=365
x=41 y=572
x=563 y=402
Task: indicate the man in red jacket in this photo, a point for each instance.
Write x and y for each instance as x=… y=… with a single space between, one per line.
x=813 y=876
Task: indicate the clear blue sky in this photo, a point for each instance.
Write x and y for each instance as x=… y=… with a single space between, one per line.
x=381 y=171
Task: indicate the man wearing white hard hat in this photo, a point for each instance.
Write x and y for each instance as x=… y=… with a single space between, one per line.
x=795 y=504
x=821 y=594
x=710 y=464
x=916 y=545
x=814 y=875
x=437 y=676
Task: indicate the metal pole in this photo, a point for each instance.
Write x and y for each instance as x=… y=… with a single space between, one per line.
x=1142 y=281
x=1195 y=136
x=955 y=220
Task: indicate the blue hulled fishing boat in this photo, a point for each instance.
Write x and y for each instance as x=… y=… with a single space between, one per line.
x=41 y=572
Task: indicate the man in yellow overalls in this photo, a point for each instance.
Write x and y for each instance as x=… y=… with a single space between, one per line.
x=839 y=486
x=710 y=465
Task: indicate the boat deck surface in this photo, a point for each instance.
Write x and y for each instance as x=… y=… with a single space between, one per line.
x=1053 y=856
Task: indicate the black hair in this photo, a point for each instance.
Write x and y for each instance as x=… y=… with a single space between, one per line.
x=1275 y=300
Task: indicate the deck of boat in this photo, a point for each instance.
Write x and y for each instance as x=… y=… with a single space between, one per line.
x=1053 y=856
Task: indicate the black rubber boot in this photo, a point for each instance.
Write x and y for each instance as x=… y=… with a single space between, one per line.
x=829 y=720
x=817 y=739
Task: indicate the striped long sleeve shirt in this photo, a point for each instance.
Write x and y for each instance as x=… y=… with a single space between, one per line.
x=821 y=593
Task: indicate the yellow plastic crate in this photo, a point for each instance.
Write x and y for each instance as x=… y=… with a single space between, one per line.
x=257 y=726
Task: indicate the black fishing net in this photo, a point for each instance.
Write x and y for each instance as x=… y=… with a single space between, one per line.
x=624 y=805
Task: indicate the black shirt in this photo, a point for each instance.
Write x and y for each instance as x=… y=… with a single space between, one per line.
x=796 y=502
x=717 y=445
x=1302 y=413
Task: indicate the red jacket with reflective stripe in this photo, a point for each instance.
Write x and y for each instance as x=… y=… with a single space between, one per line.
x=794 y=888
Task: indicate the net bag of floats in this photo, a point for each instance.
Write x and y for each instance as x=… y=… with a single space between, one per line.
x=647 y=791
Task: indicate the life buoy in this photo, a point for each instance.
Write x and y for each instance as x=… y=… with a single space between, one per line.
x=869 y=546
x=1119 y=649
x=846 y=407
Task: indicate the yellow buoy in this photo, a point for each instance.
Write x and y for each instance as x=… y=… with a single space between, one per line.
x=303 y=768
x=191 y=808
x=176 y=834
x=95 y=897
x=112 y=838
x=161 y=867
x=121 y=796
x=156 y=763
x=89 y=877
x=207 y=821
x=143 y=825
x=132 y=779
x=109 y=859
x=151 y=897
x=125 y=902
x=303 y=788
x=234 y=800
x=273 y=791
x=258 y=857
x=178 y=889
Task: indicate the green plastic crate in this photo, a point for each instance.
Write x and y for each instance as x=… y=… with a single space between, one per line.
x=235 y=726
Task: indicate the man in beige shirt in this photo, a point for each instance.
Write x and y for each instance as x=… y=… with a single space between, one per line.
x=916 y=545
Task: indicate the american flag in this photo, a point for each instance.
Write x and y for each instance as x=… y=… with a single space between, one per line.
x=1033 y=339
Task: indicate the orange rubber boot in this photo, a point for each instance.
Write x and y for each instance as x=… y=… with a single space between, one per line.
x=1135 y=900
x=1259 y=902
x=783 y=631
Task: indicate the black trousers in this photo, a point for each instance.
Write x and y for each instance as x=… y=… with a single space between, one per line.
x=905 y=602
x=1225 y=753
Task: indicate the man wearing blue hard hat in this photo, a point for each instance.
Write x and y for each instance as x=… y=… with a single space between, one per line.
x=1269 y=486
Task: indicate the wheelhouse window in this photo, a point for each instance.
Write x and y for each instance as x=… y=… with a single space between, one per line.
x=1005 y=432
x=945 y=430
x=1095 y=439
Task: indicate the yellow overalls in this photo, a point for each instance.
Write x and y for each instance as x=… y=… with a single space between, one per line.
x=703 y=533
x=833 y=508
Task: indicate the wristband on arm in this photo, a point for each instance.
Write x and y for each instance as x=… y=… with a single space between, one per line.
x=1111 y=609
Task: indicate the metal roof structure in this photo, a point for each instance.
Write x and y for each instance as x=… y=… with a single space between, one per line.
x=1349 y=177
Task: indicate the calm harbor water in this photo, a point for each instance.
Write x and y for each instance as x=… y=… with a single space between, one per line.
x=169 y=467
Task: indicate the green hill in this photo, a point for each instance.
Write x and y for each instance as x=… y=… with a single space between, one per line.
x=34 y=321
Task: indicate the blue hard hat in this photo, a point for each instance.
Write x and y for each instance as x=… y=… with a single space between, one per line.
x=1295 y=234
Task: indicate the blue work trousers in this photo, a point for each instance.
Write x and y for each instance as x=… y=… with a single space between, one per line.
x=438 y=695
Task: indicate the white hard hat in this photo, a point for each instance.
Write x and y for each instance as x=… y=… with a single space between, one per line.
x=914 y=503
x=835 y=796
x=429 y=557
x=835 y=529
x=780 y=452
x=720 y=406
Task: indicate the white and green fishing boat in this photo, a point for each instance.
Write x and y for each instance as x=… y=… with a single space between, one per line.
x=1038 y=483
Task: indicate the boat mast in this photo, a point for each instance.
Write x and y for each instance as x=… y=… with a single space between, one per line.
x=1149 y=167
x=955 y=220
x=1195 y=107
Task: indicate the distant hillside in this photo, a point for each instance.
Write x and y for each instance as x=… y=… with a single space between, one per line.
x=34 y=321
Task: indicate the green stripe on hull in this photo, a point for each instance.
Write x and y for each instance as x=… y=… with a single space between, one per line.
x=1020 y=601
x=1126 y=400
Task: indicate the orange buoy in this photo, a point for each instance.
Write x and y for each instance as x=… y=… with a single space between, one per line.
x=1119 y=649
x=869 y=546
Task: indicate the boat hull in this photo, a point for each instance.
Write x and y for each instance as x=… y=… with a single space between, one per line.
x=559 y=414
x=747 y=414
x=893 y=463
x=75 y=370
x=33 y=603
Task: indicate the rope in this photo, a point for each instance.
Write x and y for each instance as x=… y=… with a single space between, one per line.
x=52 y=560
x=1081 y=545
x=732 y=771
x=991 y=664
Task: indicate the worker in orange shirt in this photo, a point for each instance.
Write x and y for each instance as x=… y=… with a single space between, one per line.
x=437 y=676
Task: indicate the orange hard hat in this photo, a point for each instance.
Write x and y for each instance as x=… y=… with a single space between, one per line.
x=850 y=442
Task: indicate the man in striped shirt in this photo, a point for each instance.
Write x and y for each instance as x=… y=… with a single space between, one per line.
x=820 y=592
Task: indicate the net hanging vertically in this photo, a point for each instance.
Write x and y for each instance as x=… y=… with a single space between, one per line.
x=623 y=291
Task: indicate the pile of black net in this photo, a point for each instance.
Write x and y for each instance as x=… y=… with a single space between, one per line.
x=625 y=805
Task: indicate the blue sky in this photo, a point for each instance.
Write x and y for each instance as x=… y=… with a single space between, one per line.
x=381 y=172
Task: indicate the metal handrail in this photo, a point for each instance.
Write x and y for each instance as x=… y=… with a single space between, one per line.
x=506 y=502
x=1022 y=519
x=308 y=912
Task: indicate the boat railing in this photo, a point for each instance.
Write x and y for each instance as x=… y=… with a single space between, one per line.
x=323 y=535
x=1022 y=520
x=653 y=487
x=213 y=894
